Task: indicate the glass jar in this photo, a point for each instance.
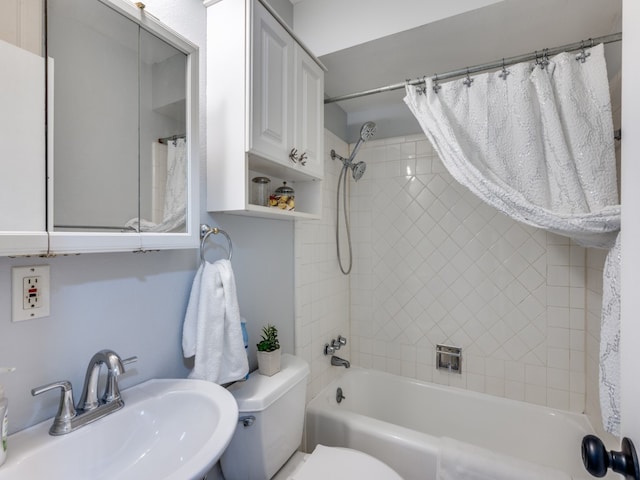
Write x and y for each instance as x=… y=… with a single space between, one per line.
x=260 y=191
x=283 y=198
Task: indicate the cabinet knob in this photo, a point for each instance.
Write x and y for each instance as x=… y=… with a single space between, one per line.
x=597 y=460
x=295 y=158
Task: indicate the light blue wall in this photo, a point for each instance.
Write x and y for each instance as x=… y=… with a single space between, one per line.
x=391 y=121
x=135 y=303
x=335 y=120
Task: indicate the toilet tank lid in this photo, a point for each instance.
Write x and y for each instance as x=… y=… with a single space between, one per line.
x=260 y=391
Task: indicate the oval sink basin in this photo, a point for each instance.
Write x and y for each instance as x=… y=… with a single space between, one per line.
x=168 y=429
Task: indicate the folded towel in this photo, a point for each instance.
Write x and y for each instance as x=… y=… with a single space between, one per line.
x=463 y=461
x=212 y=330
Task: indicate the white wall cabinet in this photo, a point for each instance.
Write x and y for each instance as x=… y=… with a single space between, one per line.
x=264 y=110
x=33 y=219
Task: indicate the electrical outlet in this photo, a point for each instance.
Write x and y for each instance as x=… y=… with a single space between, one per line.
x=30 y=295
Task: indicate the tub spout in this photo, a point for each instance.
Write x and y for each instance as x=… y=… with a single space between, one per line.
x=339 y=362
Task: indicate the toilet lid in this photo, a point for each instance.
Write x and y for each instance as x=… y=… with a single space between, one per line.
x=338 y=463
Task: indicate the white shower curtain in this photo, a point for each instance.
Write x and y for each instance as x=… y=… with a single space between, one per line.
x=537 y=144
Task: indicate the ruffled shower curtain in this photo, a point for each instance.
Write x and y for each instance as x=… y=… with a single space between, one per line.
x=535 y=141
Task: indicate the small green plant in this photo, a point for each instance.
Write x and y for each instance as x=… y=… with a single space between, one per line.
x=269 y=342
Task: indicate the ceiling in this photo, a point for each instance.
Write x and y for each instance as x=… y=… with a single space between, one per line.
x=504 y=29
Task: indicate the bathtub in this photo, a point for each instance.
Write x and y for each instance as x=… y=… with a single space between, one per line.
x=399 y=421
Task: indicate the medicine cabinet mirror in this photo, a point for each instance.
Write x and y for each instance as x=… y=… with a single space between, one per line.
x=121 y=130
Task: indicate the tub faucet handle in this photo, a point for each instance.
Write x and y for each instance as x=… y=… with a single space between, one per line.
x=341 y=340
x=329 y=350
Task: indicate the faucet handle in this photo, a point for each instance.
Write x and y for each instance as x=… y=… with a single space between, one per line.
x=130 y=360
x=341 y=340
x=65 y=385
x=66 y=409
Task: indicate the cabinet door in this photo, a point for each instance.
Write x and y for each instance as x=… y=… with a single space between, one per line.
x=309 y=112
x=271 y=133
x=22 y=129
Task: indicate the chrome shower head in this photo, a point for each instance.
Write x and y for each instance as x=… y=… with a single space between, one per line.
x=358 y=170
x=367 y=131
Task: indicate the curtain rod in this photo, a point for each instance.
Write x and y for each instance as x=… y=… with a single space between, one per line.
x=172 y=138
x=615 y=37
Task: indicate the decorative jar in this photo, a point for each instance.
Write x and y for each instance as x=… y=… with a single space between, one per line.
x=283 y=198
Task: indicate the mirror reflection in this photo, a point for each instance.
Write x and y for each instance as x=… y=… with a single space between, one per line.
x=118 y=96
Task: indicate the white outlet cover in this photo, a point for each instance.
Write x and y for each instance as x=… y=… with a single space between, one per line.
x=18 y=312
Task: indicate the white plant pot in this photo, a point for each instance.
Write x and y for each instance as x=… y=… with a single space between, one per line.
x=269 y=362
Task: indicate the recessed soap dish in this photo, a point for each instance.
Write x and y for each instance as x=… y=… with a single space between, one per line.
x=449 y=358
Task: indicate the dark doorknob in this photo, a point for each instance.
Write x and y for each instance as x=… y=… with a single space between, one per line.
x=597 y=459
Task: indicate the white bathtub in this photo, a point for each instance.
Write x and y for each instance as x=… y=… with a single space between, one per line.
x=399 y=420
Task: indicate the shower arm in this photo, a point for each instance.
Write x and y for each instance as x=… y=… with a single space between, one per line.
x=346 y=161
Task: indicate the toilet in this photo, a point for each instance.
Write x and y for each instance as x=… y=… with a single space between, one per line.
x=269 y=432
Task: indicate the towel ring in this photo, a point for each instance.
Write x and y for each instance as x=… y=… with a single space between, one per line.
x=205 y=231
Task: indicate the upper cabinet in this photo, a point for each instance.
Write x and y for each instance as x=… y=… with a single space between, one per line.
x=113 y=166
x=264 y=110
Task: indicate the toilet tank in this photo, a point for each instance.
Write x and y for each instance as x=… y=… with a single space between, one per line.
x=257 y=451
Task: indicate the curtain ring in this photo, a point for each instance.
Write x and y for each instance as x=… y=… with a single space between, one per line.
x=468 y=81
x=582 y=56
x=544 y=59
x=505 y=72
x=407 y=82
x=436 y=85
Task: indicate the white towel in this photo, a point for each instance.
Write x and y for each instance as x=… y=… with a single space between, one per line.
x=212 y=330
x=463 y=461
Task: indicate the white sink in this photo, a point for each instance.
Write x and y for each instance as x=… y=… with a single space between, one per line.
x=168 y=429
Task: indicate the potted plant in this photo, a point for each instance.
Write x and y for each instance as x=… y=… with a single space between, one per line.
x=269 y=351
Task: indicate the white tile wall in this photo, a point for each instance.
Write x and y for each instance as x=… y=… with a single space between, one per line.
x=433 y=264
x=322 y=292
x=595 y=263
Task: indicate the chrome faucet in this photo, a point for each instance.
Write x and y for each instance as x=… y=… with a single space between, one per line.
x=89 y=407
x=89 y=398
x=339 y=362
